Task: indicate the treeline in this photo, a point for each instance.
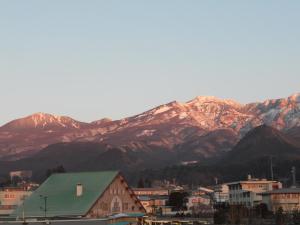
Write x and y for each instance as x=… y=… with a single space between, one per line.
x=240 y=214
x=207 y=174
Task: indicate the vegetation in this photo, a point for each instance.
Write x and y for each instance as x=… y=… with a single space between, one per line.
x=58 y=169
x=240 y=214
x=279 y=217
x=204 y=174
x=177 y=200
x=296 y=218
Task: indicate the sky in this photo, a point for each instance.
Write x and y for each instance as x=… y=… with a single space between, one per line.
x=95 y=59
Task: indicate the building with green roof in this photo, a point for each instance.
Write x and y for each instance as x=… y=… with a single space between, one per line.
x=80 y=195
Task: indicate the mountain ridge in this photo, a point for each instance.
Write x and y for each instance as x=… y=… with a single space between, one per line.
x=173 y=126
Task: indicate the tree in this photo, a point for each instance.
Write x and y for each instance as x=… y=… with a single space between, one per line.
x=58 y=169
x=279 y=217
x=296 y=218
x=141 y=183
x=148 y=183
x=261 y=210
x=220 y=216
x=5 y=181
x=177 y=200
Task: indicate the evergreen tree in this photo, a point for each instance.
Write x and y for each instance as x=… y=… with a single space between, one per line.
x=58 y=169
x=141 y=183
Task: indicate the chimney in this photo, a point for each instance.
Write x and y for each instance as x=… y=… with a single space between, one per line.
x=79 y=190
x=249 y=177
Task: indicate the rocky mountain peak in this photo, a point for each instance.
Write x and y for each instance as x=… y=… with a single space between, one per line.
x=42 y=120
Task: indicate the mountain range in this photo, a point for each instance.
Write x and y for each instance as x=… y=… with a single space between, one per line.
x=201 y=128
x=198 y=131
x=260 y=149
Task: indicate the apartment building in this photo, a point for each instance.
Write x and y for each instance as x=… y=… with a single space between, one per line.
x=249 y=192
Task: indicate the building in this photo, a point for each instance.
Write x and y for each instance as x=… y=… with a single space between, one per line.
x=81 y=195
x=288 y=199
x=221 y=194
x=153 y=204
x=154 y=200
x=11 y=198
x=249 y=192
x=151 y=191
x=195 y=201
x=21 y=174
x=203 y=191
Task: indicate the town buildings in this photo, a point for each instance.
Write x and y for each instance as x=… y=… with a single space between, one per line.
x=81 y=195
x=287 y=198
x=249 y=192
x=11 y=198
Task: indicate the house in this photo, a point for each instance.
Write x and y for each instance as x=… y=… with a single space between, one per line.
x=81 y=195
x=11 y=198
x=249 y=192
x=153 y=199
x=287 y=198
x=153 y=204
x=195 y=201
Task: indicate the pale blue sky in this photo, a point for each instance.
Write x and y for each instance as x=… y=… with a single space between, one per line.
x=94 y=59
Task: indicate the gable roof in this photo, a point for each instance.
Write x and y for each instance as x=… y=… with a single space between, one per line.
x=60 y=190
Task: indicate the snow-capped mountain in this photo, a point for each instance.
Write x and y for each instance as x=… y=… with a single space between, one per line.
x=202 y=127
x=43 y=121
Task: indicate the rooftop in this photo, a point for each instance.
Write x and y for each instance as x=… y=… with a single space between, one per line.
x=256 y=181
x=60 y=191
x=283 y=191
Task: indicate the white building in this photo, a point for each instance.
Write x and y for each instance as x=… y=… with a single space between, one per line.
x=11 y=198
x=221 y=193
x=249 y=192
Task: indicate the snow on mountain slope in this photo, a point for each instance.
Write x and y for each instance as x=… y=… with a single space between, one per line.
x=43 y=121
x=165 y=127
x=282 y=114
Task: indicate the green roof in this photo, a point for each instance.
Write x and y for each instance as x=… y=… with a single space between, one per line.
x=60 y=190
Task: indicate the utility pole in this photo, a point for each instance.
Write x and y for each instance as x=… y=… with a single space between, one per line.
x=271 y=164
x=45 y=205
x=23 y=214
x=294 y=176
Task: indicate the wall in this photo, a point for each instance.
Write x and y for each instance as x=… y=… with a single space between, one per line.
x=117 y=198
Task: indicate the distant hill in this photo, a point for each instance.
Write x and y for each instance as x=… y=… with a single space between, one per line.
x=251 y=155
x=264 y=141
x=87 y=156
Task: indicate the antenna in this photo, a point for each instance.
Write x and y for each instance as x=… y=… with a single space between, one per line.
x=294 y=176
